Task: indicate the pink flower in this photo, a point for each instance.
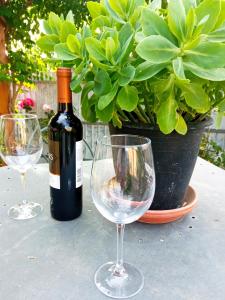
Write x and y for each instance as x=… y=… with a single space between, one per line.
x=29 y=102
x=26 y=104
x=21 y=105
x=46 y=108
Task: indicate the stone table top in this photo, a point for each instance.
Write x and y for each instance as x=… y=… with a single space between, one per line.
x=43 y=259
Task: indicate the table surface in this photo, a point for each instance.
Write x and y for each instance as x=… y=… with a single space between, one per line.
x=49 y=260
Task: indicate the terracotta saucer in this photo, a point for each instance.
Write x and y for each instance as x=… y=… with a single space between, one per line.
x=167 y=216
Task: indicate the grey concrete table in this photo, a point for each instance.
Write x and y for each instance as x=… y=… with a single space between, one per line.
x=42 y=259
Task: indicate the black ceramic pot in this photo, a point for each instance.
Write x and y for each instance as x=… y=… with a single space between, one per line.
x=175 y=156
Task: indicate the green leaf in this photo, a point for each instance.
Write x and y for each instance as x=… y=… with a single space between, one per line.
x=110 y=32
x=153 y=24
x=102 y=66
x=88 y=106
x=197 y=34
x=54 y=22
x=110 y=48
x=178 y=68
x=219 y=119
x=113 y=13
x=166 y=114
x=66 y=29
x=129 y=6
x=191 y=22
x=221 y=106
x=106 y=114
x=100 y=22
x=209 y=8
x=126 y=35
x=163 y=87
x=47 y=42
x=177 y=19
x=217 y=74
x=70 y=17
x=157 y=49
x=189 y=4
x=196 y=97
x=181 y=126
x=63 y=52
x=207 y=55
x=147 y=70
x=95 y=49
x=125 y=51
x=134 y=20
x=62 y=17
x=105 y=100
x=126 y=75
x=95 y=9
x=86 y=32
x=139 y=36
x=119 y=7
x=155 y=4
x=73 y=44
x=221 y=17
x=102 y=83
x=132 y=7
x=128 y=98
x=217 y=35
x=192 y=43
x=77 y=80
x=45 y=27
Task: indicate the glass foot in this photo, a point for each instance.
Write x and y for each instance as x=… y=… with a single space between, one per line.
x=25 y=211
x=124 y=286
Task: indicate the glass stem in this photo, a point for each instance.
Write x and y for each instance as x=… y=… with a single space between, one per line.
x=23 y=182
x=119 y=269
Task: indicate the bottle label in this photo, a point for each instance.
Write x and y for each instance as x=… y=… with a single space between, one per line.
x=79 y=163
x=54 y=164
x=54 y=181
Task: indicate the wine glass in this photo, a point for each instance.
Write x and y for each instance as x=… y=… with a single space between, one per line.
x=20 y=148
x=122 y=187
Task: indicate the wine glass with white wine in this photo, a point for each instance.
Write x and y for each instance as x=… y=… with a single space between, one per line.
x=20 y=148
x=122 y=187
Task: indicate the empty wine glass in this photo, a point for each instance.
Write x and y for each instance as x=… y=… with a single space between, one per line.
x=20 y=148
x=122 y=187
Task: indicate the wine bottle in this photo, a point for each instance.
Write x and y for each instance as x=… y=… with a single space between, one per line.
x=65 y=154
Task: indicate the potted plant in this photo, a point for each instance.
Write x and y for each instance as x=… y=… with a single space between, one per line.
x=155 y=69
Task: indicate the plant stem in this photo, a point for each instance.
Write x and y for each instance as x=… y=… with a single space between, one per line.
x=152 y=121
x=119 y=269
x=122 y=115
x=140 y=116
x=132 y=117
x=143 y=113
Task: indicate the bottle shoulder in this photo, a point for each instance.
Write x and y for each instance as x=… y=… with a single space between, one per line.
x=65 y=119
x=64 y=125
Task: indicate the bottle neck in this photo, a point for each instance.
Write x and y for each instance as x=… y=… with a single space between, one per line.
x=65 y=107
x=63 y=88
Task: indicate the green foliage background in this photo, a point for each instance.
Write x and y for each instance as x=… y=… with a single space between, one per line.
x=22 y=19
x=212 y=152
